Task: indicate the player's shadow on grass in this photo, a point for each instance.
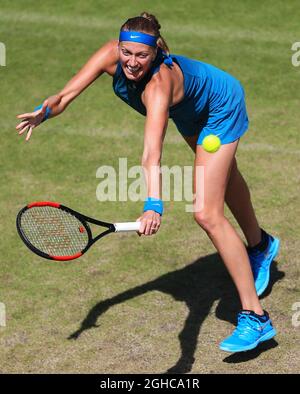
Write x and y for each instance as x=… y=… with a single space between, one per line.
x=198 y=285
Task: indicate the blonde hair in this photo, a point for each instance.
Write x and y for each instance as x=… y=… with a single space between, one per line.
x=147 y=23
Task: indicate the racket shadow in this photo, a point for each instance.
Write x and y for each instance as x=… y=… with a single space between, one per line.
x=198 y=285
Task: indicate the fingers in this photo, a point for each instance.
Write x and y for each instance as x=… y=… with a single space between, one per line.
x=151 y=228
x=28 y=115
x=30 y=120
x=23 y=129
x=150 y=223
x=29 y=133
x=139 y=220
x=22 y=124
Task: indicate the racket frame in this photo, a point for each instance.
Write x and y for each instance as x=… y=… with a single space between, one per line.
x=85 y=220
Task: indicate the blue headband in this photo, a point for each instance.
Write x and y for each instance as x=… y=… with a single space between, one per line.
x=136 y=36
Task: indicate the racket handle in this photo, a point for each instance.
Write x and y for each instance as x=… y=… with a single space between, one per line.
x=129 y=226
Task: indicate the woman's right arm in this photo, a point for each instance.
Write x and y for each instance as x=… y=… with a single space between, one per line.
x=104 y=60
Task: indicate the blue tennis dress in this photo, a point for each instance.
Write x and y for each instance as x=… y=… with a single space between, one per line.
x=213 y=101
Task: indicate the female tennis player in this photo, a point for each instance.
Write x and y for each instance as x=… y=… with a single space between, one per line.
x=201 y=100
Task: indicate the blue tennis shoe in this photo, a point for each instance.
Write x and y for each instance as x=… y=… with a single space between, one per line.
x=261 y=262
x=250 y=331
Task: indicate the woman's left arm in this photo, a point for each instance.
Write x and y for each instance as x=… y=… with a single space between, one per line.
x=157 y=99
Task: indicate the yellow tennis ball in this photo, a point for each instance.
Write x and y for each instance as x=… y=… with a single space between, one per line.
x=211 y=143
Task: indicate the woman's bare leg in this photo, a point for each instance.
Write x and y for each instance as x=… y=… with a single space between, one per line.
x=238 y=199
x=209 y=214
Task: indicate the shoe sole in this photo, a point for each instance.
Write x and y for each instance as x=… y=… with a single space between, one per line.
x=273 y=253
x=269 y=335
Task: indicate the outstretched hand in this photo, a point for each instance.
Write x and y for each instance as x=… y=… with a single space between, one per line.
x=31 y=120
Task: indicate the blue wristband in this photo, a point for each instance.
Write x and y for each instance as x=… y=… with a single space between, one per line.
x=47 y=114
x=154 y=204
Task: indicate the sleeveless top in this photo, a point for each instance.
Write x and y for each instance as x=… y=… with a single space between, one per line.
x=207 y=90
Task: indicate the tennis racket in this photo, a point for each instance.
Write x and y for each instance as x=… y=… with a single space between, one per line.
x=56 y=232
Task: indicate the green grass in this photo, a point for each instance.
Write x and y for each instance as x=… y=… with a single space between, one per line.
x=140 y=291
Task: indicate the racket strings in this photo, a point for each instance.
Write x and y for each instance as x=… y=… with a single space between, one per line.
x=54 y=231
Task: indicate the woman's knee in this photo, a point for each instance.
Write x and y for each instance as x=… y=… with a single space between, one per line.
x=208 y=220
